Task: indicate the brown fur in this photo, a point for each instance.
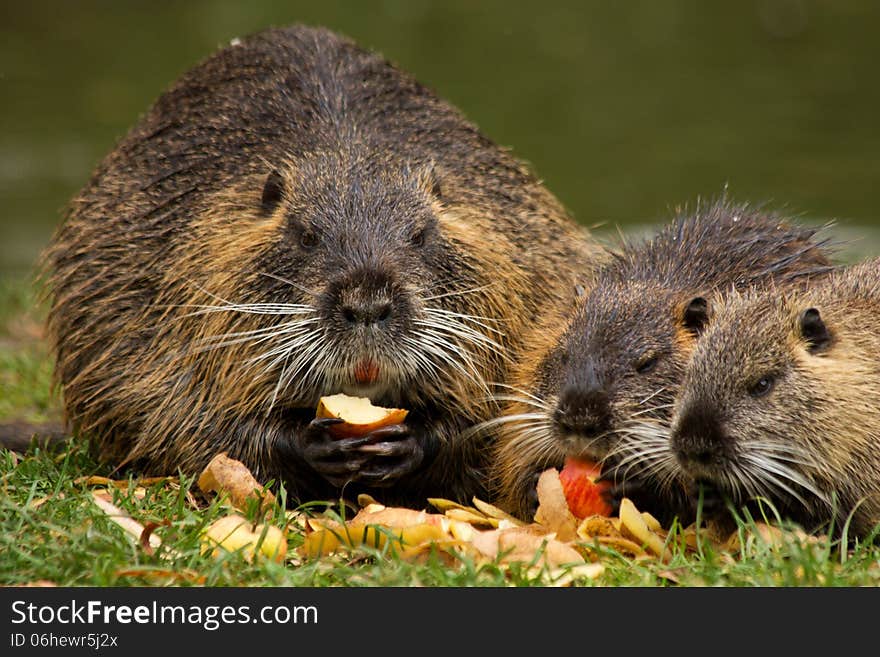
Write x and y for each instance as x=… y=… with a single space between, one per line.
x=376 y=179
x=820 y=420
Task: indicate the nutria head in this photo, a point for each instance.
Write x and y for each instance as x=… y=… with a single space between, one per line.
x=355 y=282
x=617 y=366
x=779 y=402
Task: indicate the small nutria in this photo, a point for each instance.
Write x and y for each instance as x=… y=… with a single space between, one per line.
x=297 y=217
x=601 y=384
x=781 y=400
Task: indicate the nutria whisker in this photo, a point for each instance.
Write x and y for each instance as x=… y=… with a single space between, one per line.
x=535 y=441
x=447 y=353
x=255 y=336
x=514 y=418
x=521 y=419
x=445 y=322
x=652 y=395
x=440 y=333
x=420 y=362
x=782 y=452
x=296 y=337
x=652 y=409
x=476 y=319
x=456 y=293
x=640 y=444
x=437 y=344
x=539 y=400
x=251 y=308
x=289 y=282
x=307 y=349
x=521 y=400
x=768 y=470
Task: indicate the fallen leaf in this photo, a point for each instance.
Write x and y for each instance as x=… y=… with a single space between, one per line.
x=492 y=511
x=633 y=525
x=147 y=532
x=476 y=519
x=524 y=544
x=227 y=475
x=95 y=480
x=553 y=512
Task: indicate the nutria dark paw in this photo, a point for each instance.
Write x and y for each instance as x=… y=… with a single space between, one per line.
x=336 y=459
x=714 y=503
x=376 y=459
x=395 y=453
x=531 y=494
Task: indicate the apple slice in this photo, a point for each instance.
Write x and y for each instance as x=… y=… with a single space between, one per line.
x=359 y=415
x=585 y=496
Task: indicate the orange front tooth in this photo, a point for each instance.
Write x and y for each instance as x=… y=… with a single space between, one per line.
x=366 y=371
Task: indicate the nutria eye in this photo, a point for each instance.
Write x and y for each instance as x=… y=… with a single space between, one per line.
x=308 y=239
x=648 y=364
x=418 y=239
x=762 y=386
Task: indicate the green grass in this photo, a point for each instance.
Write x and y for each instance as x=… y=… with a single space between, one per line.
x=50 y=528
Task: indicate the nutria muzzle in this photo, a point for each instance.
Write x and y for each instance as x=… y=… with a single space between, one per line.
x=367 y=297
x=698 y=439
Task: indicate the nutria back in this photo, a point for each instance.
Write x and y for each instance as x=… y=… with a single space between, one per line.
x=296 y=217
x=781 y=401
x=600 y=385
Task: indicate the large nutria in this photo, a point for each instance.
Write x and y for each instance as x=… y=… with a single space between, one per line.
x=297 y=217
x=781 y=400
x=601 y=384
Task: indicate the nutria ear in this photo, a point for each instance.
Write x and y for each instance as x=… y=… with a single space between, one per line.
x=273 y=192
x=696 y=315
x=814 y=331
x=579 y=291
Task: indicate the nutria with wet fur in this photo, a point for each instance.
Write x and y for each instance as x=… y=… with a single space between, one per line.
x=296 y=217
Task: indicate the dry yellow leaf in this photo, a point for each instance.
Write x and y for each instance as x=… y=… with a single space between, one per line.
x=476 y=519
x=553 y=512
x=493 y=511
x=633 y=525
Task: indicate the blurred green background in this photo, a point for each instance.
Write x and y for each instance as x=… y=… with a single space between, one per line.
x=624 y=109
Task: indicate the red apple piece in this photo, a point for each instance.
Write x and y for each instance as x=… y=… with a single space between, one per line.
x=585 y=496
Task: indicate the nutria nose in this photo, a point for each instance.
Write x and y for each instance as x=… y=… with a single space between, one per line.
x=367 y=313
x=583 y=410
x=698 y=436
